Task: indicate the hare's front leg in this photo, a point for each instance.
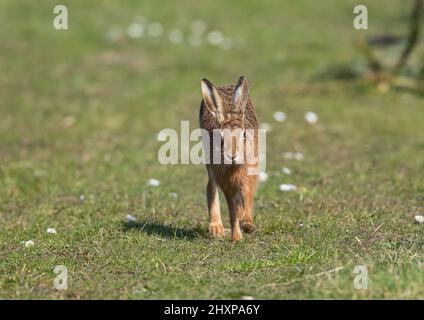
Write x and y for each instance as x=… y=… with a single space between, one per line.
x=216 y=227
x=235 y=206
x=249 y=193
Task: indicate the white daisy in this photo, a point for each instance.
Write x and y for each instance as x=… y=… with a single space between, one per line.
x=280 y=116
x=215 y=38
x=263 y=176
x=286 y=170
x=287 y=187
x=135 y=30
x=419 y=219
x=153 y=182
x=130 y=218
x=29 y=243
x=173 y=195
x=298 y=156
x=311 y=117
x=51 y=230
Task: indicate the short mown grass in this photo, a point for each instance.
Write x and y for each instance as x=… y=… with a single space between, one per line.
x=79 y=117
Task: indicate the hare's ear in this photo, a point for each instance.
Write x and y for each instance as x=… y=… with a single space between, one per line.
x=241 y=94
x=213 y=100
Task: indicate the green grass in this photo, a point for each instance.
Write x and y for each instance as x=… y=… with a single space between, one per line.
x=360 y=183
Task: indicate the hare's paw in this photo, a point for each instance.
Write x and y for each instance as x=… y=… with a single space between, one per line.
x=248 y=226
x=216 y=230
x=236 y=235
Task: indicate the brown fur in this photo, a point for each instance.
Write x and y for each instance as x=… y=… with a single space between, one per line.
x=238 y=187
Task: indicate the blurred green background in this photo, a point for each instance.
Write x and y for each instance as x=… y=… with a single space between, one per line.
x=80 y=110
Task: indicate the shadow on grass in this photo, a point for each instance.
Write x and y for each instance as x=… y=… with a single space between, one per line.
x=166 y=231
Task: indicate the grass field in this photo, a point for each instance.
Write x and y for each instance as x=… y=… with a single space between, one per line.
x=80 y=110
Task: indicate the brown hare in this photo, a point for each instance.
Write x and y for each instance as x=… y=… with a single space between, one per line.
x=229 y=111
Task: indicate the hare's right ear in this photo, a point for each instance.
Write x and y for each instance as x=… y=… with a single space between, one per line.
x=213 y=100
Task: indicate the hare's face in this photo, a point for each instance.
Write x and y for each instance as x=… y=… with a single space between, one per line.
x=233 y=138
x=230 y=118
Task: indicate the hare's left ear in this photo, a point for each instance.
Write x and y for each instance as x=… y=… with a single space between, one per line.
x=241 y=94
